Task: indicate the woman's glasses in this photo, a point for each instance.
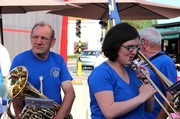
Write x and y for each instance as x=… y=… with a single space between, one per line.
x=131 y=48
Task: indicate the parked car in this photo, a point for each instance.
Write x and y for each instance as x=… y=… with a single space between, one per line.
x=88 y=58
x=100 y=59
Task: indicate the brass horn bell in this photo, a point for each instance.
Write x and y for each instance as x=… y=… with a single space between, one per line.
x=15 y=85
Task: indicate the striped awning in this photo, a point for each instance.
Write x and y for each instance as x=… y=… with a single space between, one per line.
x=170 y=32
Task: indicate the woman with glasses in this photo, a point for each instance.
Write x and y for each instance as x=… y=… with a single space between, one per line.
x=115 y=91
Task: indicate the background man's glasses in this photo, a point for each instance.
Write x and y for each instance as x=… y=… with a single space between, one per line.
x=131 y=48
x=141 y=41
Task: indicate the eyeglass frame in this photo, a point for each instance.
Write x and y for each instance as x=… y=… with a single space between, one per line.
x=43 y=38
x=141 y=41
x=131 y=48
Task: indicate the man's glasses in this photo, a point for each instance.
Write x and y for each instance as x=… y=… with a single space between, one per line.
x=141 y=41
x=131 y=48
x=43 y=38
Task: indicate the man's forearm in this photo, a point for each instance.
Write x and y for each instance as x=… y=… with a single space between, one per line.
x=66 y=105
x=162 y=114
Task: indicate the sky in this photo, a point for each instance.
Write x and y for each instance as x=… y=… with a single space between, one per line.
x=169 y=2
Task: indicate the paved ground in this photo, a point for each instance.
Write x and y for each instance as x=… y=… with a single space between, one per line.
x=80 y=109
x=79 y=80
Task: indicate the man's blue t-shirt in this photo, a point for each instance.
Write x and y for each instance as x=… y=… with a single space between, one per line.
x=53 y=70
x=164 y=64
x=104 y=78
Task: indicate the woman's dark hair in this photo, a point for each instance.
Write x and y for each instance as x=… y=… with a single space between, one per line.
x=115 y=37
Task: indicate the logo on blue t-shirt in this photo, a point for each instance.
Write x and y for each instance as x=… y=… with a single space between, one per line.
x=55 y=72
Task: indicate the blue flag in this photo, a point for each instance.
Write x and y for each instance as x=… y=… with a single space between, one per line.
x=113 y=13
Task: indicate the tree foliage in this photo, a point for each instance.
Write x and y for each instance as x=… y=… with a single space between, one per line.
x=140 y=24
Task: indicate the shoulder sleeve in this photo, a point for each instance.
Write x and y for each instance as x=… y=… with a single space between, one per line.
x=166 y=66
x=99 y=80
x=169 y=70
x=64 y=73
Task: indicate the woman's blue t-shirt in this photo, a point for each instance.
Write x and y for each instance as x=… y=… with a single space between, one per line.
x=104 y=78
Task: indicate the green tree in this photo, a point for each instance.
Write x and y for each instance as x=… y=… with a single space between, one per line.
x=140 y=24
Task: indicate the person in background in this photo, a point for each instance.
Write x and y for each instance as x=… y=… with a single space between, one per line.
x=40 y=61
x=5 y=64
x=115 y=91
x=150 y=46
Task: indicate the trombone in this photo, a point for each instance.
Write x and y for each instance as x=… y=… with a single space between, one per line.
x=172 y=88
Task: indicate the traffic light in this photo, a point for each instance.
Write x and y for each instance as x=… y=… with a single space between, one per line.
x=78 y=28
x=103 y=24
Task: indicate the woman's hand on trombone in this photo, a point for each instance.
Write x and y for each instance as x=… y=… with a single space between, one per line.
x=143 y=73
x=146 y=90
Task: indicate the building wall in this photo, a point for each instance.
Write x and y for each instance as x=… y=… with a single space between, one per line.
x=17 y=27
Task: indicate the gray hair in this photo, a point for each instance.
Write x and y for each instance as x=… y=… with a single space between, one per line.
x=152 y=35
x=43 y=23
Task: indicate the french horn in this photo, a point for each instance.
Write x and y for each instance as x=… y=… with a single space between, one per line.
x=15 y=85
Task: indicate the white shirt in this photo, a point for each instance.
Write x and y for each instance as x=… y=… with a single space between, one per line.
x=5 y=64
x=5 y=61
